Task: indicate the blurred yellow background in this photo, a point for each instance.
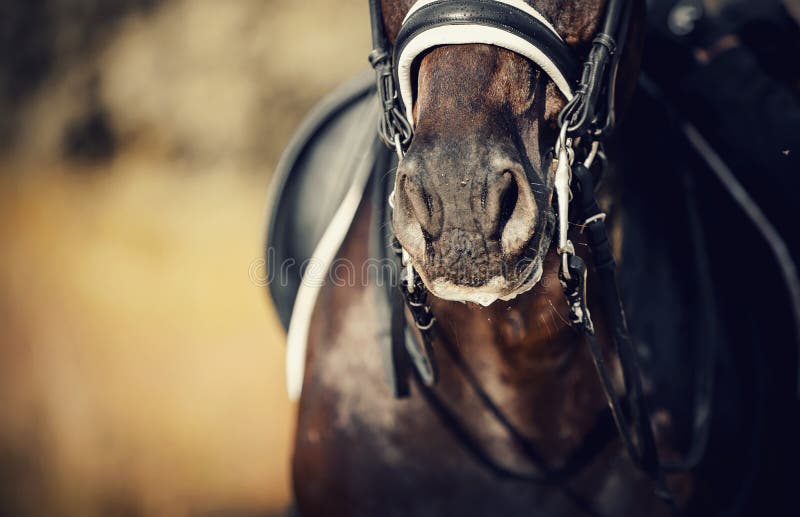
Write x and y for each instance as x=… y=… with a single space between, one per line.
x=141 y=366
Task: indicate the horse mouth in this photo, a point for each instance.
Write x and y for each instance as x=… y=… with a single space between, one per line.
x=496 y=288
x=520 y=278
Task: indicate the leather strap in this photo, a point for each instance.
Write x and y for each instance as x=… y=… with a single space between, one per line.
x=498 y=23
x=642 y=450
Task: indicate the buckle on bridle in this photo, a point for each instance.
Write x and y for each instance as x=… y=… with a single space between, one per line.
x=572 y=276
x=394 y=130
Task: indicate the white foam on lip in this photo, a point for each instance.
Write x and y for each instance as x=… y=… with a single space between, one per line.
x=484 y=295
x=495 y=289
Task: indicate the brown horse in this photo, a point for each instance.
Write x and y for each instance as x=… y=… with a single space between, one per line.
x=472 y=198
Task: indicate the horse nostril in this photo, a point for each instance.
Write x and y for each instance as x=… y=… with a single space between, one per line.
x=499 y=199
x=422 y=205
x=508 y=202
x=511 y=211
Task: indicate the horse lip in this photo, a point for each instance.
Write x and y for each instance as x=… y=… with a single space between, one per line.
x=485 y=295
x=497 y=288
x=526 y=284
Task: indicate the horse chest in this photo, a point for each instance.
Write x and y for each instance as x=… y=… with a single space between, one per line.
x=360 y=452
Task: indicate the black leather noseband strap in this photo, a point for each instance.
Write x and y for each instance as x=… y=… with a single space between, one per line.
x=497 y=15
x=492 y=14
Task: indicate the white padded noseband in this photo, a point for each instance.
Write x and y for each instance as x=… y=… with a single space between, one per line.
x=462 y=34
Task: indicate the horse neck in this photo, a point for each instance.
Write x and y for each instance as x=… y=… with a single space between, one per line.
x=530 y=362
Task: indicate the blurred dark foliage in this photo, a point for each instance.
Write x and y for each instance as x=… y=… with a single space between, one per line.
x=40 y=36
x=91 y=136
x=26 y=37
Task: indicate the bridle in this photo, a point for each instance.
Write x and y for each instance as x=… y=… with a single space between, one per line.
x=585 y=122
x=512 y=24
x=589 y=88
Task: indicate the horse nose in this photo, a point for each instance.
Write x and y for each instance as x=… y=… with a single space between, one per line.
x=503 y=208
x=501 y=205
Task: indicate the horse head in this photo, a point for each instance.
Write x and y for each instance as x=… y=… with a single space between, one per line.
x=474 y=192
